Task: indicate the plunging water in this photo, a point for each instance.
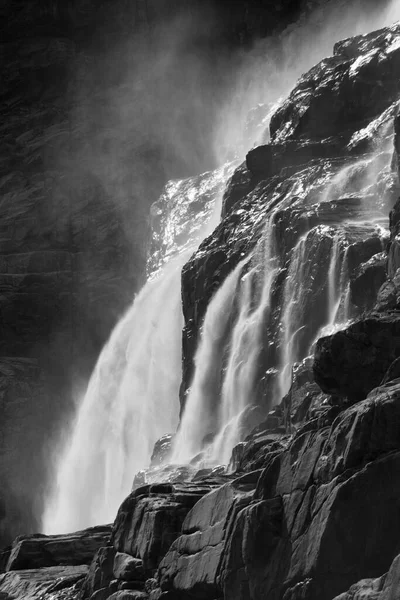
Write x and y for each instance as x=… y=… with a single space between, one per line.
x=132 y=396
x=129 y=404
x=305 y=293
x=226 y=362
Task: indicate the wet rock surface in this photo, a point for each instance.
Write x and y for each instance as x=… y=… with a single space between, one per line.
x=51 y=582
x=332 y=180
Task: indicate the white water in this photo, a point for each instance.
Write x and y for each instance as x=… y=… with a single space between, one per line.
x=222 y=387
x=246 y=344
x=132 y=396
x=198 y=418
x=131 y=401
x=223 y=413
x=292 y=313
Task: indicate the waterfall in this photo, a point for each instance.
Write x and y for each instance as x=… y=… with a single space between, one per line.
x=240 y=377
x=231 y=377
x=293 y=311
x=130 y=403
x=198 y=418
x=333 y=287
x=285 y=297
x=132 y=396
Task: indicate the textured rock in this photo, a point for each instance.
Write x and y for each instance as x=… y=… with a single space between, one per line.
x=352 y=362
x=388 y=297
x=129 y=595
x=308 y=525
x=128 y=568
x=370 y=276
x=36 y=584
x=150 y=519
x=386 y=587
x=310 y=110
x=100 y=572
x=304 y=400
x=34 y=552
x=191 y=565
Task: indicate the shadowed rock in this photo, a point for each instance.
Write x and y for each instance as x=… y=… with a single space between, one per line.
x=350 y=363
x=34 y=552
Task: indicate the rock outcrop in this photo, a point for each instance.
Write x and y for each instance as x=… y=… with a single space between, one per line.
x=78 y=548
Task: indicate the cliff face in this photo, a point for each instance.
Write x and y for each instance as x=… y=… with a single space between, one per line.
x=310 y=508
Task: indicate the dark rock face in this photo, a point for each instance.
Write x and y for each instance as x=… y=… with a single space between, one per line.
x=298 y=533
x=150 y=519
x=308 y=525
x=367 y=282
x=346 y=96
x=352 y=362
x=100 y=572
x=381 y=588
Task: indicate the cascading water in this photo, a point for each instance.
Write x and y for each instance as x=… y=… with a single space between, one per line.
x=131 y=400
x=239 y=366
x=281 y=297
x=244 y=350
x=129 y=404
x=312 y=299
x=199 y=418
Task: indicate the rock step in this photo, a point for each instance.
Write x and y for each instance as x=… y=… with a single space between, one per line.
x=38 y=551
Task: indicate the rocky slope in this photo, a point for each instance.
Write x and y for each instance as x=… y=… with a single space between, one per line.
x=310 y=507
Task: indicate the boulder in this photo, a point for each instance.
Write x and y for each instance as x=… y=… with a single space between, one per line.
x=100 y=572
x=35 y=552
x=259 y=161
x=128 y=568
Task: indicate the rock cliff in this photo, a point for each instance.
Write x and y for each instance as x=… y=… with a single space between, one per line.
x=309 y=509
